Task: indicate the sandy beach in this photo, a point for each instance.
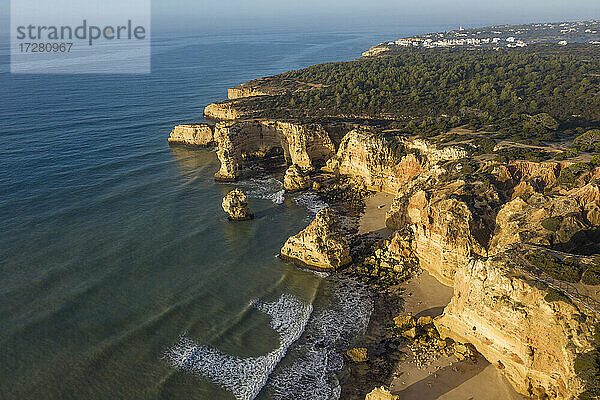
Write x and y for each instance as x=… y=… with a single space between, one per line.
x=373 y=219
x=448 y=377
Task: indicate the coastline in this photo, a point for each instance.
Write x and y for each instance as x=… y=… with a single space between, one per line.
x=393 y=363
x=433 y=216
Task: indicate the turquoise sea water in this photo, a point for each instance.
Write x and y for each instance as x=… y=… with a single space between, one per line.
x=120 y=277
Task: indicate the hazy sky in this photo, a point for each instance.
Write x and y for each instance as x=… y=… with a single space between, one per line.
x=347 y=12
x=327 y=14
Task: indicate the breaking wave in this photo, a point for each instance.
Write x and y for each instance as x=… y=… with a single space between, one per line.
x=318 y=356
x=267 y=189
x=311 y=202
x=244 y=377
x=309 y=371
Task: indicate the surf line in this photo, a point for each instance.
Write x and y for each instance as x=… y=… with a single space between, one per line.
x=244 y=377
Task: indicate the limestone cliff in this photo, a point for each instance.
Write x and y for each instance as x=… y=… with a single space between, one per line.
x=447 y=221
x=192 y=135
x=509 y=308
x=529 y=309
x=269 y=86
x=321 y=245
x=386 y=162
x=377 y=50
x=382 y=162
x=229 y=110
x=546 y=220
x=305 y=145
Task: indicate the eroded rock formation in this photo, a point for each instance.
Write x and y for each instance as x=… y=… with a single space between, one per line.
x=235 y=204
x=302 y=144
x=380 y=393
x=387 y=162
x=295 y=179
x=321 y=245
x=269 y=86
x=522 y=307
x=536 y=336
x=229 y=110
x=448 y=222
x=192 y=135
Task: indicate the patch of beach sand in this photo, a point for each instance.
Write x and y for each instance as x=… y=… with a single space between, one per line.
x=373 y=219
x=447 y=378
x=424 y=295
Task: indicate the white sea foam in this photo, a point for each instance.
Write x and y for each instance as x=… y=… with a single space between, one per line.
x=318 y=356
x=320 y=274
x=244 y=377
x=311 y=202
x=267 y=188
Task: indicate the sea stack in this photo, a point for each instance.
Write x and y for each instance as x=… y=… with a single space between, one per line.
x=295 y=180
x=321 y=245
x=235 y=204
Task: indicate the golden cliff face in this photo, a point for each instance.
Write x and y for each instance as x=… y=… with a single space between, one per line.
x=526 y=307
x=376 y=50
x=192 y=135
x=303 y=145
x=382 y=163
x=269 y=86
x=386 y=162
x=538 y=338
x=226 y=110
x=447 y=226
x=241 y=91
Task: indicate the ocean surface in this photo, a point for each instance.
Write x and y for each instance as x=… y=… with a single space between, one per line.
x=120 y=277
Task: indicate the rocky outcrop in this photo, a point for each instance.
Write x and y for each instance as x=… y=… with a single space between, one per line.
x=229 y=110
x=448 y=222
x=588 y=198
x=235 y=204
x=541 y=220
x=542 y=173
x=434 y=154
x=527 y=308
x=513 y=309
x=305 y=145
x=245 y=90
x=387 y=162
x=377 y=50
x=357 y=355
x=295 y=179
x=380 y=393
x=192 y=135
x=270 y=86
x=382 y=162
x=321 y=245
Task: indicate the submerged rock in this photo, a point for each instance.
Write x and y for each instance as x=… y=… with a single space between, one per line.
x=235 y=204
x=321 y=244
x=358 y=354
x=295 y=180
